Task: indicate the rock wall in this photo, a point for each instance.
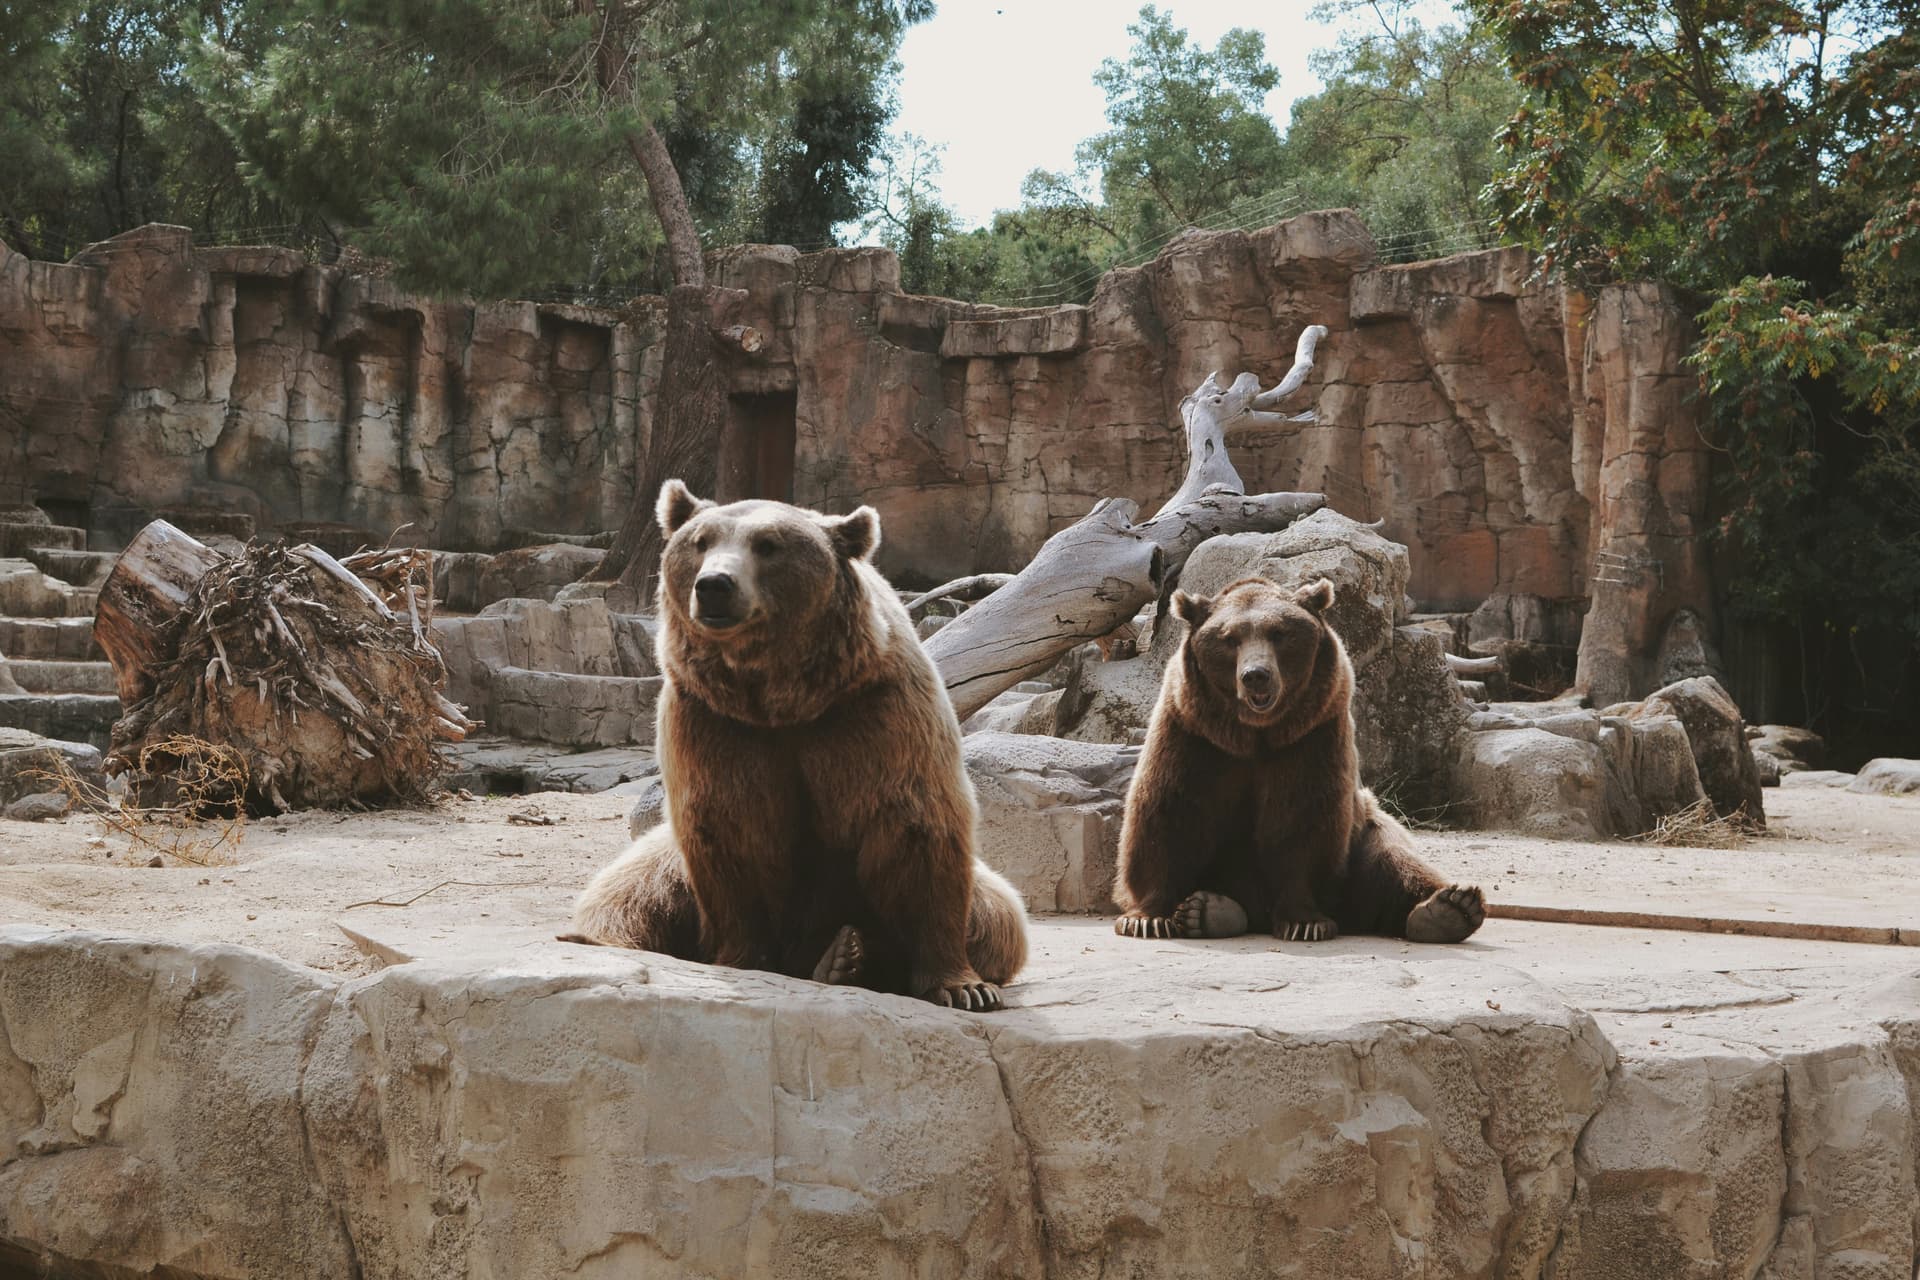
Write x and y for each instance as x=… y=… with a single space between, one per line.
x=1512 y=437
x=148 y=374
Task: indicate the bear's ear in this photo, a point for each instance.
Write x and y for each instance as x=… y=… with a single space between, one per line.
x=1315 y=596
x=854 y=536
x=1193 y=610
x=677 y=505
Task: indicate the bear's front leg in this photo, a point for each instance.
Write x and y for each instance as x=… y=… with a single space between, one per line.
x=920 y=877
x=1168 y=838
x=1290 y=864
x=733 y=805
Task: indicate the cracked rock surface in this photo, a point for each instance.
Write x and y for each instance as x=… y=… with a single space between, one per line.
x=444 y=1090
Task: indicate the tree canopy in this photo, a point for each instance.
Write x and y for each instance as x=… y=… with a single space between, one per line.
x=448 y=136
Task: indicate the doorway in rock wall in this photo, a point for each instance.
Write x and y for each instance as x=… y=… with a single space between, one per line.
x=757 y=446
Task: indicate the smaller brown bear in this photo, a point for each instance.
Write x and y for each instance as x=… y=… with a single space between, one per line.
x=1246 y=812
x=820 y=822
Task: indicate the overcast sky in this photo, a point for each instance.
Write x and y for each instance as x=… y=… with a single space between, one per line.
x=1007 y=85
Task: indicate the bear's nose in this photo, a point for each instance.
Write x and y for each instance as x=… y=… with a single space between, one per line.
x=713 y=590
x=1257 y=679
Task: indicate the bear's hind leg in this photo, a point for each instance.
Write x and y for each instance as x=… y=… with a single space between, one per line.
x=642 y=900
x=845 y=959
x=996 y=927
x=1390 y=891
x=1205 y=914
x=1447 y=915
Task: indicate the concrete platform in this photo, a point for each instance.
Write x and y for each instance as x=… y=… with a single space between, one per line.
x=359 y=1051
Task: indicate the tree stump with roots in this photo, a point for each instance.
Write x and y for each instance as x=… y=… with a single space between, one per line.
x=318 y=676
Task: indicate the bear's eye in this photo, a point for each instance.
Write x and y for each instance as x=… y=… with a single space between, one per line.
x=766 y=546
x=702 y=541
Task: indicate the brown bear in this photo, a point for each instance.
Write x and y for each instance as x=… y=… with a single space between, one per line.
x=1246 y=810
x=820 y=822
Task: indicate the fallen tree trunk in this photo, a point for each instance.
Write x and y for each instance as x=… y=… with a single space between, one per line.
x=1095 y=575
x=1086 y=581
x=323 y=687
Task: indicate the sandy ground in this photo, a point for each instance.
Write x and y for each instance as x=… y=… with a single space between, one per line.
x=1830 y=857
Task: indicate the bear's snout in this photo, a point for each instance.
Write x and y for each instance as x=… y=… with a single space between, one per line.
x=716 y=598
x=1258 y=686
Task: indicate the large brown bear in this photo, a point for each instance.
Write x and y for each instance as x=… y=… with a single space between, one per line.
x=819 y=817
x=1246 y=811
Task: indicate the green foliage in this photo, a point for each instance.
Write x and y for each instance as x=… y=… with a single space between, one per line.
x=496 y=128
x=1188 y=136
x=1403 y=131
x=1703 y=140
x=451 y=136
x=101 y=129
x=1829 y=521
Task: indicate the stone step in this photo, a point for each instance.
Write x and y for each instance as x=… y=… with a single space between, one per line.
x=80 y=568
x=43 y=676
x=17 y=537
x=70 y=717
x=54 y=639
x=573 y=710
x=26 y=592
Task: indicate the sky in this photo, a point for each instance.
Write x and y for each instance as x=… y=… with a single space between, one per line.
x=1007 y=85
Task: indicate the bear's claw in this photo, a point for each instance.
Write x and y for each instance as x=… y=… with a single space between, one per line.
x=1318 y=929
x=844 y=960
x=976 y=996
x=1451 y=914
x=1137 y=926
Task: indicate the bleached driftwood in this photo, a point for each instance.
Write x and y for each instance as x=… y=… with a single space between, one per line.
x=1095 y=575
x=1212 y=411
x=1475 y=668
x=972 y=587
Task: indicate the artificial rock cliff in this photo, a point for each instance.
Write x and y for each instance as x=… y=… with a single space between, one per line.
x=1531 y=448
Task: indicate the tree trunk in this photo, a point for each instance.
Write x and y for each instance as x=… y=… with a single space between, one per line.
x=689 y=406
x=689 y=410
x=146 y=591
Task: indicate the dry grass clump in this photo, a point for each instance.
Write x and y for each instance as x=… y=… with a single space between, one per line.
x=1698 y=826
x=194 y=808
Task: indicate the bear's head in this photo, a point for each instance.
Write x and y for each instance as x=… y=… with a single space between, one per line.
x=754 y=570
x=1261 y=650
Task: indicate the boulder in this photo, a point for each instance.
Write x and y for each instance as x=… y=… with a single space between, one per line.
x=535 y=573
x=40 y=806
x=1108 y=701
x=1887 y=777
x=1534 y=781
x=27 y=760
x=1016 y=711
x=1792 y=747
x=1368 y=572
x=1687 y=651
x=1050 y=815
x=1769 y=767
x=649 y=808
x=1719 y=738
x=1573 y=774
x=505 y=1105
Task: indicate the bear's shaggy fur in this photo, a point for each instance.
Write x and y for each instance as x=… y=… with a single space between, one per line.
x=1246 y=811
x=820 y=820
